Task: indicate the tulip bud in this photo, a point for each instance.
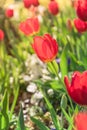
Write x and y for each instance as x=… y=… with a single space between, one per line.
x=9 y=13
x=1 y=35
x=53 y=7
x=80 y=25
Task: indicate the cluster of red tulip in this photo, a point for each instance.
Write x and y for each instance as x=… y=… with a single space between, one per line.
x=28 y=3
x=77 y=88
x=45 y=46
x=52 y=6
x=81 y=11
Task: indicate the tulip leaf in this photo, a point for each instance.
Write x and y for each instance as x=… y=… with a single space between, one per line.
x=20 y=124
x=52 y=112
x=63 y=62
x=5 y=102
x=40 y=125
x=4 y=121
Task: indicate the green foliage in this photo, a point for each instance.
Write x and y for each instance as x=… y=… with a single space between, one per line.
x=4 y=119
x=40 y=125
x=14 y=51
x=63 y=62
x=20 y=123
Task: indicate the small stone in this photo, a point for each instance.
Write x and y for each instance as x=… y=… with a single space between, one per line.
x=25 y=111
x=31 y=88
x=26 y=101
x=26 y=78
x=36 y=98
x=50 y=92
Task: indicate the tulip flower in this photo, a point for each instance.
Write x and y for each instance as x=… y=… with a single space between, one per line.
x=77 y=89
x=45 y=47
x=9 y=13
x=53 y=7
x=80 y=121
x=30 y=26
x=1 y=35
x=28 y=3
x=81 y=9
x=80 y=25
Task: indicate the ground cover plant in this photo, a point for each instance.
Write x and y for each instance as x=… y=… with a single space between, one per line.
x=43 y=65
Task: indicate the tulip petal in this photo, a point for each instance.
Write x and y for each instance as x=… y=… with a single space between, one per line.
x=66 y=81
x=80 y=121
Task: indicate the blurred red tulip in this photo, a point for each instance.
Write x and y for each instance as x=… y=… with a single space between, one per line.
x=9 y=13
x=77 y=89
x=45 y=47
x=28 y=3
x=30 y=26
x=80 y=121
x=80 y=25
x=35 y=2
x=53 y=7
x=81 y=9
x=69 y=24
x=1 y=35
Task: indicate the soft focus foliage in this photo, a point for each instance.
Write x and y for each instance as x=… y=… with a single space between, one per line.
x=43 y=63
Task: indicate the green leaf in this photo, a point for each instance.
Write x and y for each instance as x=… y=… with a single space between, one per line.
x=4 y=121
x=53 y=113
x=63 y=62
x=40 y=125
x=68 y=118
x=20 y=124
x=5 y=103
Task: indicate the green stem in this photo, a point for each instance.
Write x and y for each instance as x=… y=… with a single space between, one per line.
x=14 y=102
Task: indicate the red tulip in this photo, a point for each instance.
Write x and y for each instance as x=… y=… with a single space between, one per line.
x=9 y=13
x=80 y=25
x=45 y=47
x=28 y=3
x=53 y=7
x=80 y=121
x=35 y=2
x=81 y=9
x=1 y=35
x=77 y=89
x=30 y=26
